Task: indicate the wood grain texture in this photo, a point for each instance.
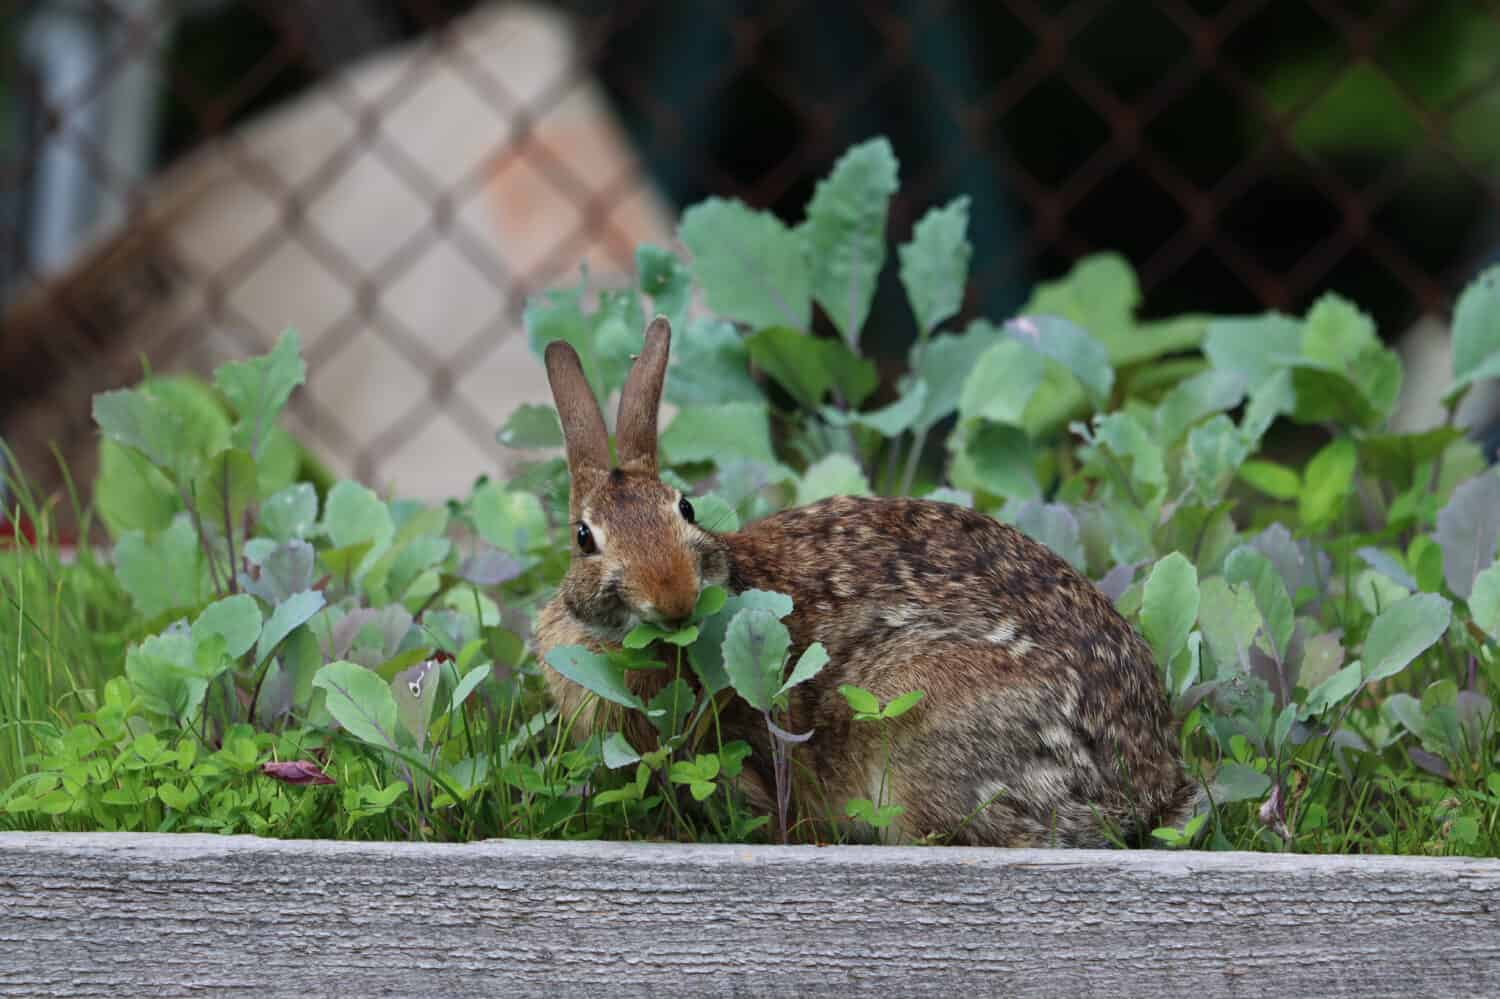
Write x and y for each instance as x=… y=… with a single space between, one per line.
x=124 y=915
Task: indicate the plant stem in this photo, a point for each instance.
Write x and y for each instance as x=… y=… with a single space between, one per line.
x=913 y=458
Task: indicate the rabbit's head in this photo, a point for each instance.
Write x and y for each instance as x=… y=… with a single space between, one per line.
x=638 y=555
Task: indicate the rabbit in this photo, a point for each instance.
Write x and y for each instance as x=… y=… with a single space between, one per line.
x=1044 y=722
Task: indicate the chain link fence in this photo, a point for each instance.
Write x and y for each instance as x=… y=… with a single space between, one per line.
x=183 y=180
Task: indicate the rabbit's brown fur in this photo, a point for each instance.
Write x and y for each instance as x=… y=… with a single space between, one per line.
x=1040 y=699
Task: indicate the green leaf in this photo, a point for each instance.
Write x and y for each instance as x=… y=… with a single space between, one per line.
x=707 y=653
x=360 y=701
x=259 y=388
x=1100 y=293
x=935 y=264
x=619 y=753
x=470 y=683
x=898 y=417
x=415 y=692
x=130 y=493
x=142 y=419
x=713 y=514
x=1476 y=329
x=645 y=633
x=1329 y=480
x=1253 y=347
x=1336 y=332
x=710 y=602
x=1053 y=525
x=750 y=266
x=531 y=427
x=943 y=364
x=1248 y=566
x=720 y=432
x=1402 y=632
x=1276 y=481
x=813 y=659
x=1215 y=451
x=163 y=573
x=295 y=611
x=671 y=707
x=224 y=490
x=755 y=646
x=809 y=367
x=1229 y=620
x=595 y=673
x=237 y=619
x=1170 y=605
x=1484 y=601
x=835 y=475
x=1071 y=346
x=710 y=365
x=1001 y=383
x=844 y=233
x=354 y=514
x=164 y=671
x=1202 y=395
x=1468 y=529
x=860 y=700
x=1334 y=691
x=511 y=521
x=664 y=279
x=1131 y=440
x=999 y=460
x=290 y=513
x=899 y=706
x=1238 y=782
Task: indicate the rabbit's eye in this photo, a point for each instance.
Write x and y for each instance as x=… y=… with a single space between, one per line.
x=686 y=509
x=586 y=540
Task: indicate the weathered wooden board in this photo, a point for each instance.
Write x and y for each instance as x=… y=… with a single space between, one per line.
x=127 y=915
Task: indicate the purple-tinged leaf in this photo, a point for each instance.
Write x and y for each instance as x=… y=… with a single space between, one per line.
x=784 y=736
x=1430 y=762
x=387 y=627
x=1117 y=580
x=489 y=568
x=1386 y=564
x=296 y=772
x=1468 y=529
x=1053 y=525
x=1300 y=565
x=286 y=571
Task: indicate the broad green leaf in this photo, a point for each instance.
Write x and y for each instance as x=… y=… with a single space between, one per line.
x=835 y=475
x=671 y=707
x=1253 y=347
x=1170 y=605
x=130 y=493
x=1322 y=655
x=360 y=701
x=861 y=701
x=645 y=633
x=711 y=513
x=1276 y=481
x=1334 y=691
x=809 y=367
x=1204 y=394
x=619 y=753
x=165 y=673
x=1053 y=525
x=1484 y=601
x=532 y=427
x=296 y=610
x=511 y=521
x=755 y=647
x=1100 y=293
x=997 y=459
x=935 y=264
x=237 y=619
x=749 y=265
x=163 y=573
x=1272 y=399
x=1215 y=451
x=1248 y=566
x=258 y=388
x=1402 y=632
x=1336 y=332
x=1070 y=345
x=1001 y=383
x=1327 y=484
x=225 y=488
x=710 y=365
x=595 y=673
x=899 y=706
x=1377 y=591
x=813 y=659
x=720 y=432
x=1229 y=620
x=944 y=363
x=844 y=233
x=173 y=421
x=290 y=513
x=1238 y=782
x=354 y=514
x=470 y=683
x=1132 y=441
x=665 y=280
x=415 y=692
x=707 y=653
x=898 y=417
x=1468 y=530
x=288 y=569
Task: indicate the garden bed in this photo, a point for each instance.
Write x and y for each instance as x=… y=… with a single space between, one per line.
x=128 y=914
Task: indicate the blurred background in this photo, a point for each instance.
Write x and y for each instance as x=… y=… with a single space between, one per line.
x=181 y=181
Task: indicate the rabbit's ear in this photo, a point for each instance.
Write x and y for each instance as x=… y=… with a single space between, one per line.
x=584 y=433
x=635 y=427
